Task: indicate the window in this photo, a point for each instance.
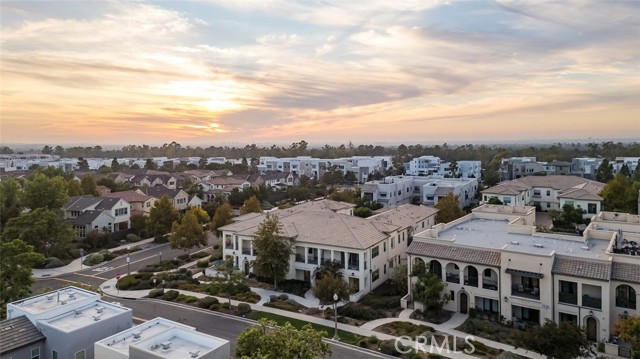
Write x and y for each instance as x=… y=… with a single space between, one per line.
x=384 y=246
x=487 y=272
x=54 y=354
x=536 y=193
x=385 y=269
x=393 y=239
x=375 y=251
x=548 y=193
x=506 y=200
x=570 y=203
x=485 y=198
x=429 y=198
x=548 y=205
x=592 y=208
x=35 y=353
x=81 y=354
x=121 y=211
x=375 y=275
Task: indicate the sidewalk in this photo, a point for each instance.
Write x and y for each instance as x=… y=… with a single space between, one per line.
x=76 y=265
x=366 y=330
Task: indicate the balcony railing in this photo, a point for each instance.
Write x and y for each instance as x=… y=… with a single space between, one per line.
x=568 y=298
x=312 y=259
x=453 y=278
x=353 y=266
x=489 y=284
x=471 y=281
x=246 y=251
x=525 y=292
x=228 y=245
x=591 y=302
x=300 y=258
x=625 y=303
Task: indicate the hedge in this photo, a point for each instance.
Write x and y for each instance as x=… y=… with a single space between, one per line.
x=243 y=308
x=93 y=259
x=171 y=295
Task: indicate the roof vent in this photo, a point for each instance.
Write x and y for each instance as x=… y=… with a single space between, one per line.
x=586 y=248
x=49 y=298
x=72 y=295
x=63 y=302
x=538 y=245
x=136 y=335
x=165 y=345
x=77 y=313
x=97 y=317
x=515 y=243
x=194 y=354
x=99 y=309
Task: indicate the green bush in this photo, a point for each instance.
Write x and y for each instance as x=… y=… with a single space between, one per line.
x=243 y=308
x=382 y=302
x=600 y=347
x=75 y=253
x=214 y=306
x=155 y=293
x=93 y=259
x=108 y=256
x=342 y=320
x=356 y=311
x=226 y=305
x=191 y=299
x=389 y=347
x=53 y=262
x=373 y=339
x=171 y=295
x=203 y=263
x=207 y=301
x=199 y=255
x=133 y=238
x=472 y=313
x=283 y=297
x=362 y=343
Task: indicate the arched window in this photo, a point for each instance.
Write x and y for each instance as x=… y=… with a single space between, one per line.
x=625 y=297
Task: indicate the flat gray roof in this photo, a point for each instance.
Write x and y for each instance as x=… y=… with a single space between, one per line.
x=492 y=234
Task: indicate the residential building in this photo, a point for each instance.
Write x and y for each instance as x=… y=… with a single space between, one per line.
x=369 y=249
x=271 y=179
x=631 y=162
x=495 y=261
x=585 y=167
x=21 y=339
x=223 y=186
x=398 y=190
x=517 y=167
x=89 y=213
x=71 y=319
x=140 y=203
x=179 y=198
x=152 y=180
x=549 y=192
x=161 y=338
x=361 y=166
x=434 y=167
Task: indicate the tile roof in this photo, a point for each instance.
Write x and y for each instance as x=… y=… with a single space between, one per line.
x=160 y=190
x=129 y=196
x=107 y=203
x=585 y=269
x=625 y=272
x=454 y=253
x=405 y=215
x=79 y=203
x=87 y=217
x=560 y=182
x=17 y=333
x=581 y=194
x=321 y=205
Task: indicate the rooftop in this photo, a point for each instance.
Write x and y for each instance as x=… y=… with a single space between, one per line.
x=120 y=342
x=81 y=317
x=53 y=300
x=493 y=234
x=17 y=333
x=180 y=343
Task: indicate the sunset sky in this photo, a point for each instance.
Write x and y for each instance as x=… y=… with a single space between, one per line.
x=279 y=71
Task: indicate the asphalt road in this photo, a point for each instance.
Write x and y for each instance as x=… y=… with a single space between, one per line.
x=211 y=323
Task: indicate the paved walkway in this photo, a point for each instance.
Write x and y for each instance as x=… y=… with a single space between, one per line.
x=76 y=265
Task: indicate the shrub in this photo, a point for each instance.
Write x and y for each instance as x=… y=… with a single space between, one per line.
x=342 y=320
x=226 y=305
x=128 y=282
x=203 y=263
x=214 y=306
x=133 y=238
x=383 y=302
x=155 y=293
x=363 y=343
x=53 y=262
x=273 y=298
x=283 y=297
x=356 y=311
x=199 y=255
x=207 y=301
x=216 y=246
x=93 y=259
x=389 y=347
x=75 y=253
x=171 y=295
x=373 y=339
x=243 y=308
x=472 y=313
x=191 y=299
x=600 y=347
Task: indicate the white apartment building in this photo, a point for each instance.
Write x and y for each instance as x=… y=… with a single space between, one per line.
x=361 y=166
x=585 y=166
x=71 y=319
x=434 y=167
x=160 y=338
x=398 y=190
x=631 y=162
x=494 y=260
x=369 y=249
x=548 y=192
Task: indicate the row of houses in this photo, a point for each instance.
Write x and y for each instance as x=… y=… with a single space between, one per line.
x=75 y=323
x=586 y=167
x=434 y=167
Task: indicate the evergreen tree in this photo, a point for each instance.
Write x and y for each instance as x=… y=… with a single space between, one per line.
x=9 y=200
x=329 y=285
x=604 y=173
x=274 y=251
x=43 y=229
x=88 y=185
x=624 y=170
x=18 y=258
x=162 y=216
x=222 y=217
x=449 y=208
x=428 y=291
x=188 y=234
x=74 y=188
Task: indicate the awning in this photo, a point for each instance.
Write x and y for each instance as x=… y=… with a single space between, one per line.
x=524 y=273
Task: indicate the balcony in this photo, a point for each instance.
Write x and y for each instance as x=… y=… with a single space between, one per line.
x=524 y=292
x=624 y=302
x=471 y=281
x=300 y=258
x=312 y=259
x=453 y=278
x=353 y=266
x=228 y=245
x=568 y=298
x=489 y=284
x=246 y=251
x=591 y=302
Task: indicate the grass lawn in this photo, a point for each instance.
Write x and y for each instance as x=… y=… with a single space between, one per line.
x=403 y=328
x=345 y=337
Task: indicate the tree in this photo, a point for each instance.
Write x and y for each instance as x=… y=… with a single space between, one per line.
x=9 y=200
x=345 y=195
x=222 y=217
x=266 y=340
x=88 y=185
x=150 y=165
x=332 y=176
x=494 y=200
x=624 y=170
x=162 y=216
x=629 y=331
x=453 y=169
x=114 y=164
x=333 y=268
x=490 y=177
x=274 y=250
x=233 y=279
x=621 y=195
x=83 y=165
x=188 y=234
x=98 y=238
x=604 y=173
x=349 y=176
x=18 y=258
x=362 y=212
x=201 y=215
x=636 y=173
x=139 y=224
x=329 y=285
x=251 y=205
x=428 y=291
x=565 y=340
x=299 y=193
x=400 y=278
x=74 y=188
x=44 y=192
x=47 y=150
x=43 y=229
x=449 y=208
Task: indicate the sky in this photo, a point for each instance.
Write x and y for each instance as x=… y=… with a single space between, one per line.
x=278 y=71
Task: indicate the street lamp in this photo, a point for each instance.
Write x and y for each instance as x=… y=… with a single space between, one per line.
x=335 y=316
x=154 y=282
x=128 y=261
x=160 y=255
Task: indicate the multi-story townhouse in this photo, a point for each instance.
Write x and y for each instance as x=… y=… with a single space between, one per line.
x=397 y=190
x=140 y=203
x=161 y=338
x=631 y=162
x=493 y=260
x=369 y=249
x=548 y=192
x=151 y=180
x=585 y=167
x=361 y=166
x=71 y=319
x=434 y=167
x=517 y=167
x=96 y=213
x=178 y=197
